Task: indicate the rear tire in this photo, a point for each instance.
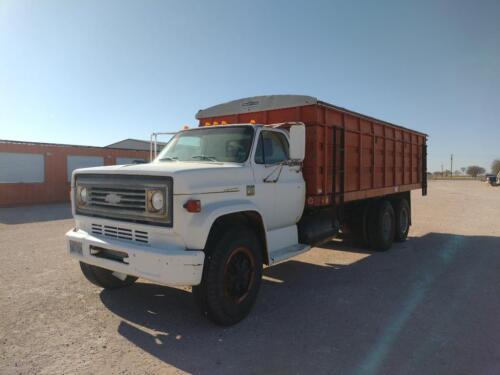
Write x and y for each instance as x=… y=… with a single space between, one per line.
x=402 y=219
x=356 y=225
x=104 y=278
x=231 y=277
x=381 y=226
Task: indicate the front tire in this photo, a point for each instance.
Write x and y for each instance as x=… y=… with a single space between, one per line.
x=104 y=278
x=231 y=277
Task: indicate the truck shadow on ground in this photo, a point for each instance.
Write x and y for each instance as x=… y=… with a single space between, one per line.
x=34 y=214
x=417 y=308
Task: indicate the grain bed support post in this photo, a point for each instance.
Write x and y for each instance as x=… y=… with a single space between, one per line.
x=261 y=180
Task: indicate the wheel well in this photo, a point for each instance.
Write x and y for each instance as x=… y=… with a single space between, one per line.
x=251 y=219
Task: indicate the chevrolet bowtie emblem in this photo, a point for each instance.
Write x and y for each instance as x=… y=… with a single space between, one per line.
x=113 y=198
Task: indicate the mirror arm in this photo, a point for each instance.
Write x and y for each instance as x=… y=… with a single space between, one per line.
x=294 y=162
x=280 y=165
x=279 y=169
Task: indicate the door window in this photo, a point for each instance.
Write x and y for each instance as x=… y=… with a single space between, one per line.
x=272 y=148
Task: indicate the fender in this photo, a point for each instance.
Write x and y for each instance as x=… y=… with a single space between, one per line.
x=210 y=212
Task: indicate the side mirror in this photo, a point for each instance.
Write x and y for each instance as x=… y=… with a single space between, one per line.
x=297 y=142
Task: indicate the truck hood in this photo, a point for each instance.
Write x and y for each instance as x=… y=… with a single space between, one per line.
x=189 y=177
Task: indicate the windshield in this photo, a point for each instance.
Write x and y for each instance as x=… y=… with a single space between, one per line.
x=222 y=144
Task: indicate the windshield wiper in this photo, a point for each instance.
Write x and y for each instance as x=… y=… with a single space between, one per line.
x=168 y=158
x=204 y=157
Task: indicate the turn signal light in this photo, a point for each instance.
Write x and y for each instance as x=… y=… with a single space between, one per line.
x=192 y=205
x=252 y=121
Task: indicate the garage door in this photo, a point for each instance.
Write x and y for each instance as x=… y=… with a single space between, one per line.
x=77 y=161
x=21 y=168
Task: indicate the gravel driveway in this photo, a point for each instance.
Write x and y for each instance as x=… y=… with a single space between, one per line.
x=428 y=306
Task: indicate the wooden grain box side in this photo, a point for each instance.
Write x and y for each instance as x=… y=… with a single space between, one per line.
x=376 y=159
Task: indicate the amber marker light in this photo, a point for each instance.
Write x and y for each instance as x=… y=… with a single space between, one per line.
x=192 y=205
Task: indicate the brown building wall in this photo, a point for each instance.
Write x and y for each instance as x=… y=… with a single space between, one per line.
x=55 y=187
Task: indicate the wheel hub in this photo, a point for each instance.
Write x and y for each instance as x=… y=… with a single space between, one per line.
x=239 y=274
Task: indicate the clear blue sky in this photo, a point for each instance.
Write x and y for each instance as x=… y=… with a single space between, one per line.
x=95 y=72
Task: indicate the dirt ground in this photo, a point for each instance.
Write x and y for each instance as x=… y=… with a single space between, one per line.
x=430 y=305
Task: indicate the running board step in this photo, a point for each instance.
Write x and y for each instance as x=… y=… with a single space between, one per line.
x=288 y=252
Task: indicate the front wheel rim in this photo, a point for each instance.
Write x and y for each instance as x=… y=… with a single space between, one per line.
x=239 y=274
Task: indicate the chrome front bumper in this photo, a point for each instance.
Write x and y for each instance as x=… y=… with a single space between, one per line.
x=164 y=266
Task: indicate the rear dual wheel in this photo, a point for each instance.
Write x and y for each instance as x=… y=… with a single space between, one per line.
x=388 y=222
x=231 y=277
x=381 y=225
x=355 y=225
x=402 y=219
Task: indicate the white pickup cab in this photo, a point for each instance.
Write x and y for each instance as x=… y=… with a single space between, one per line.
x=215 y=206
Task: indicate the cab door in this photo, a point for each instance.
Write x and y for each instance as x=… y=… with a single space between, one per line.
x=279 y=185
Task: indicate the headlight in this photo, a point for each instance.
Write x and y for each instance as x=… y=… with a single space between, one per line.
x=157 y=200
x=82 y=195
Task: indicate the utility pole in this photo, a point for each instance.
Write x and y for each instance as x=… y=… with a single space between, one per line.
x=451 y=160
x=442 y=170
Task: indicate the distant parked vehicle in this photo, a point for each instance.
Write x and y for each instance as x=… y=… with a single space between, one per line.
x=491 y=179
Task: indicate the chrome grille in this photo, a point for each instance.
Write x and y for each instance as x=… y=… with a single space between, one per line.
x=125 y=199
x=120 y=233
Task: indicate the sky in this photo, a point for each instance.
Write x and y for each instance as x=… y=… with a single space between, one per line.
x=95 y=72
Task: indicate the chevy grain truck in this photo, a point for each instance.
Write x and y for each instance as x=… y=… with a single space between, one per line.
x=260 y=181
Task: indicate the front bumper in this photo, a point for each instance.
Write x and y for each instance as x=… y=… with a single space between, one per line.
x=164 y=266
